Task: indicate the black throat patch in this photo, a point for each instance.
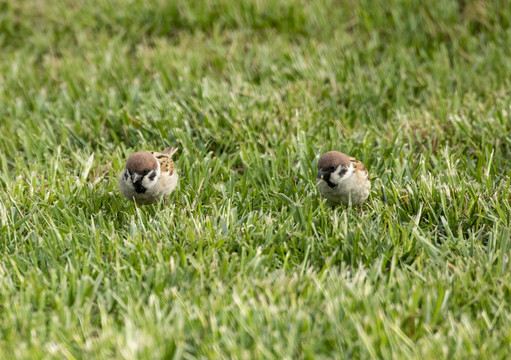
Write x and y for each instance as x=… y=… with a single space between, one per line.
x=139 y=188
x=328 y=182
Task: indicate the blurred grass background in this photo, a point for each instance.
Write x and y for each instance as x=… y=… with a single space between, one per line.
x=248 y=261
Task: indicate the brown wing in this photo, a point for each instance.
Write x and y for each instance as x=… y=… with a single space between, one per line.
x=359 y=166
x=165 y=160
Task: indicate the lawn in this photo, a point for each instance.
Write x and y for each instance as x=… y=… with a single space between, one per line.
x=248 y=261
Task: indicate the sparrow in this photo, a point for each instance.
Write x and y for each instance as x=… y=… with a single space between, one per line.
x=342 y=178
x=148 y=176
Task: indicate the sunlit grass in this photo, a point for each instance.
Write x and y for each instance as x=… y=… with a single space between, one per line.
x=248 y=261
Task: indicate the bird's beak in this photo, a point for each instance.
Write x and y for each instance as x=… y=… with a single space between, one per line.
x=320 y=175
x=135 y=177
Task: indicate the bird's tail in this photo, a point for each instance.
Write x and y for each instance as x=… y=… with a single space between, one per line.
x=170 y=151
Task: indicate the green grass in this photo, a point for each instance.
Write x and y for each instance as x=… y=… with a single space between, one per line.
x=248 y=261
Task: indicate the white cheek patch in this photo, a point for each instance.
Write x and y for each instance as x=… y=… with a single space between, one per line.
x=149 y=180
x=336 y=177
x=127 y=179
x=147 y=183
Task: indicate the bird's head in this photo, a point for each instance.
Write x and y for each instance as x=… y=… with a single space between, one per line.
x=333 y=168
x=142 y=171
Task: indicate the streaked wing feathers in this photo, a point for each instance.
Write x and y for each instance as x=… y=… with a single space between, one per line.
x=165 y=159
x=359 y=166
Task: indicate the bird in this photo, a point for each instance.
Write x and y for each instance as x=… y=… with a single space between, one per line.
x=342 y=179
x=148 y=176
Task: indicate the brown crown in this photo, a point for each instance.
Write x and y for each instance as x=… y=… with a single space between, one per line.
x=140 y=161
x=333 y=158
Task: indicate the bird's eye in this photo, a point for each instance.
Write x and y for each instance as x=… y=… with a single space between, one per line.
x=146 y=172
x=332 y=168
